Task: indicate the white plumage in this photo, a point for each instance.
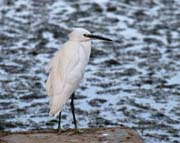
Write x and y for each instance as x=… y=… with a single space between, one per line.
x=67 y=68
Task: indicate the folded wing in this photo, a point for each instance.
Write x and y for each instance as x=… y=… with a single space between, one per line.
x=62 y=70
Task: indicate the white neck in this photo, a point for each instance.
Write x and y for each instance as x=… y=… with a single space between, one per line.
x=87 y=48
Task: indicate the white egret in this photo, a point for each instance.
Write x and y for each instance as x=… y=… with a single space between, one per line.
x=66 y=70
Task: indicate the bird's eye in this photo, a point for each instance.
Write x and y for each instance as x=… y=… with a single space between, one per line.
x=86 y=35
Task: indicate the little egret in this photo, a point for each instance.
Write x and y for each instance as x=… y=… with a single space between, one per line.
x=66 y=70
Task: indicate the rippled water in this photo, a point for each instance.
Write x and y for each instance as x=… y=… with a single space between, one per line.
x=134 y=81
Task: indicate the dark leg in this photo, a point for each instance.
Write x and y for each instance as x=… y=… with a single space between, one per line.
x=59 y=123
x=73 y=113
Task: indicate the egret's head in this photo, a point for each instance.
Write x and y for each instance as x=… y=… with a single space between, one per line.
x=80 y=34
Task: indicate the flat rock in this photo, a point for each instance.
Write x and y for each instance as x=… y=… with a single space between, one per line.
x=90 y=135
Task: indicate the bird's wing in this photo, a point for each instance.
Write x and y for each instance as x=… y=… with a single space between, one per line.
x=60 y=68
x=62 y=63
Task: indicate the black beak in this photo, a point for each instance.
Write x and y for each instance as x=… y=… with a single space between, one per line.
x=97 y=37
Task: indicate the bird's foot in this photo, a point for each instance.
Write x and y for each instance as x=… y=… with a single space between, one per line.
x=59 y=131
x=77 y=131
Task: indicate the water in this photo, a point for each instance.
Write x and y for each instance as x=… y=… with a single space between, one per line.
x=134 y=81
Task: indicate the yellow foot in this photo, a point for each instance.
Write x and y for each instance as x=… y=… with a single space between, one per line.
x=59 y=131
x=77 y=131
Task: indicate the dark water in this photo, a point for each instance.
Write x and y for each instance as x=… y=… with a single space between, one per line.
x=134 y=81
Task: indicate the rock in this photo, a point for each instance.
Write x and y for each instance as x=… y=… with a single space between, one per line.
x=90 y=135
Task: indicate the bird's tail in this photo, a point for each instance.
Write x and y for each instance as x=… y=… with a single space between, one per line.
x=57 y=102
